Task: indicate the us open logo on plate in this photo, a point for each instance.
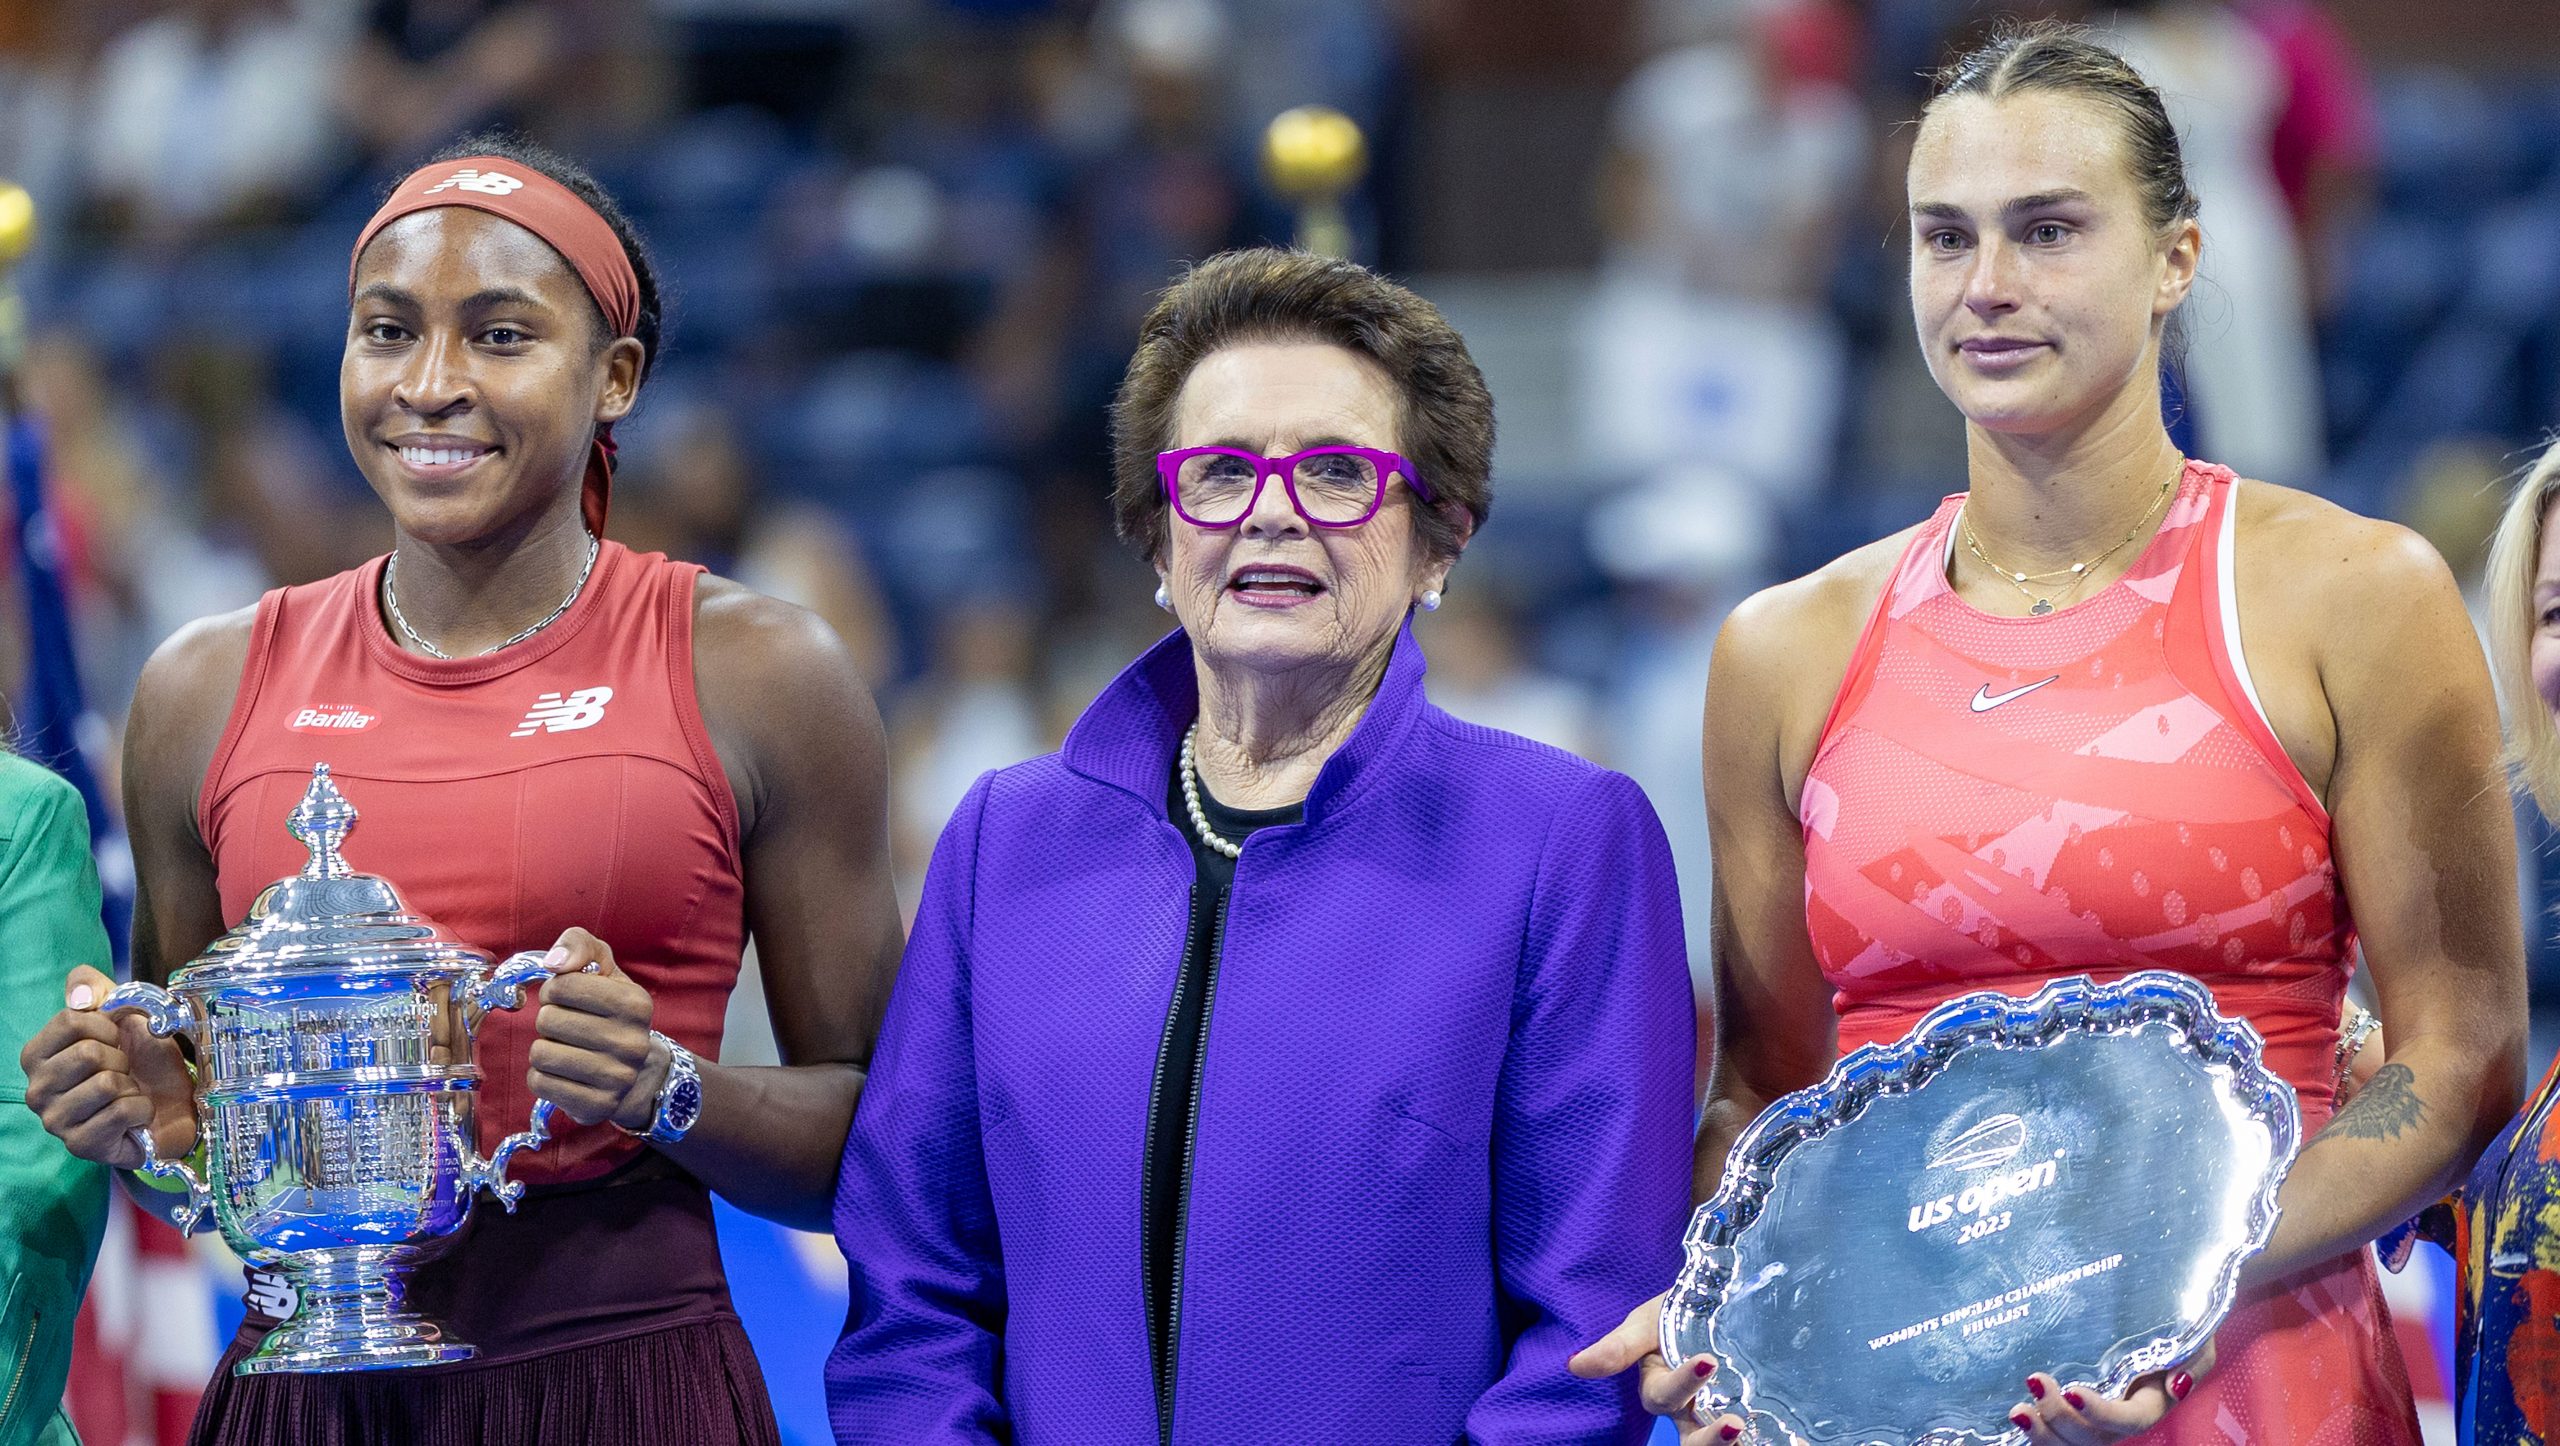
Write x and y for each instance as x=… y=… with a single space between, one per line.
x=331 y=718
x=1993 y=1142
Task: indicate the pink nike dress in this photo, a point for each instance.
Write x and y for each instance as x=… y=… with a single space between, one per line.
x=1997 y=801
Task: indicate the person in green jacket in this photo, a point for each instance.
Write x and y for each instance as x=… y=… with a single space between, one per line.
x=53 y=1207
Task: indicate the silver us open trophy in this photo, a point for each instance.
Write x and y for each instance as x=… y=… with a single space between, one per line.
x=2068 y=1182
x=333 y=1037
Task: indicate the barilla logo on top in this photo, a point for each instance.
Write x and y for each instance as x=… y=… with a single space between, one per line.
x=555 y=713
x=331 y=718
x=487 y=183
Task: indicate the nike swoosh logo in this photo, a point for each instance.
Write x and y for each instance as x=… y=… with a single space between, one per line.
x=1986 y=700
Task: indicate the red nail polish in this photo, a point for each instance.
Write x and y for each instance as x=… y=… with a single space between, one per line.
x=1704 y=1368
x=1729 y=1432
x=2179 y=1385
x=2035 y=1388
x=2022 y=1420
x=2075 y=1401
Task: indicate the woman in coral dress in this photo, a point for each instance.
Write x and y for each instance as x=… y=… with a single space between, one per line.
x=2112 y=709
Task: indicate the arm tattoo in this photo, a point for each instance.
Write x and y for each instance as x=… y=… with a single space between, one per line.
x=2387 y=1107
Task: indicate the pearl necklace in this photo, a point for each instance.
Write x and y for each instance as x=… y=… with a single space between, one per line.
x=391 y=600
x=1191 y=798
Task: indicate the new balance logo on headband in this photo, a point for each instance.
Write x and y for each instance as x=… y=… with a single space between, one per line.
x=487 y=183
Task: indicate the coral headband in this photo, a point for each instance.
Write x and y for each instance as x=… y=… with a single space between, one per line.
x=566 y=224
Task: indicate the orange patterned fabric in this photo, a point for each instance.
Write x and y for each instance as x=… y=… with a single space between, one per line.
x=1997 y=802
x=2507 y=1252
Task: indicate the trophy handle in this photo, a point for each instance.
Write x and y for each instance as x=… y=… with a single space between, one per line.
x=503 y=988
x=199 y=1199
x=491 y=1174
x=166 y=1014
x=162 y=1010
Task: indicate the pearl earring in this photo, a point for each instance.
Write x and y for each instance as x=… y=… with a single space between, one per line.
x=1164 y=599
x=1431 y=599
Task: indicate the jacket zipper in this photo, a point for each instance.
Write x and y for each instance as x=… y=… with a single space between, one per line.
x=1147 y=1171
x=1190 y=1143
x=18 y=1375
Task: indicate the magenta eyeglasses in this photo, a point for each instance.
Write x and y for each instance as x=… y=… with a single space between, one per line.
x=1337 y=486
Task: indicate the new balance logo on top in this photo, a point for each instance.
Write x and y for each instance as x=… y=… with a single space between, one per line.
x=487 y=183
x=556 y=714
x=332 y=718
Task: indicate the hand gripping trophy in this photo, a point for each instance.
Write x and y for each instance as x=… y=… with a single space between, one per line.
x=333 y=1035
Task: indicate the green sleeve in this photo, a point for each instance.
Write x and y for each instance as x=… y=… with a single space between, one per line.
x=52 y=1207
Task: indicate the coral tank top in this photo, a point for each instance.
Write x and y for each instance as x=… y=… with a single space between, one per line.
x=1996 y=802
x=567 y=780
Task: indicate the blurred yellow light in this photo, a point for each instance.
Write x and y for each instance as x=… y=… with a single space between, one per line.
x=17 y=221
x=1313 y=152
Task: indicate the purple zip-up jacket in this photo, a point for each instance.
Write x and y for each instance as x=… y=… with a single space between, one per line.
x=1444 y=1120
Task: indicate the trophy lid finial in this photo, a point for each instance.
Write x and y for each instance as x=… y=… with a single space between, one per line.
x=321 y=823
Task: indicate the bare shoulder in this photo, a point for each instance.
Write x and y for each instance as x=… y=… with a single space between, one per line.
x=730 y=617
x=1779 y=662
x=2304 y=562
x=774 y=659
x=2328 y=547
x=1799 y=627
x=206 y=651
x=780 y=693
x=185 y=693
x=181 y=704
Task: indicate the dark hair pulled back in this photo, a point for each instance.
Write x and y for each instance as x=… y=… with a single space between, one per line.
x=2066 y=59
x=510 y=147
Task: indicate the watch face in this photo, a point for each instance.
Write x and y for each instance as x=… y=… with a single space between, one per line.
x=684 y=1105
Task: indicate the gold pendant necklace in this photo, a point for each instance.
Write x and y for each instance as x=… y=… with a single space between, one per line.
x=2077 y=573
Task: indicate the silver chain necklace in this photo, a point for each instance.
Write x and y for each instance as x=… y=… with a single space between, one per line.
x=1191 y=799
x=391 y=600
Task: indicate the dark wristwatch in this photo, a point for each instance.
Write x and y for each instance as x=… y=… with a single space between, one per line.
x=679 y=1098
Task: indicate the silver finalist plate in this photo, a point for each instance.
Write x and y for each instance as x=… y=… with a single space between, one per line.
x=2064 y=1183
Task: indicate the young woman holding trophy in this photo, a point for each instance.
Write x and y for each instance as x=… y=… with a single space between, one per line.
x=2113 y=709
x=558 y=744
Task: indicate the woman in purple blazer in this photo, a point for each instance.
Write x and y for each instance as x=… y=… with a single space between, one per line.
x=1283 y=1060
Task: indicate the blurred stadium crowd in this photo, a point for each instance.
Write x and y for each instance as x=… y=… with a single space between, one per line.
x=908 y=242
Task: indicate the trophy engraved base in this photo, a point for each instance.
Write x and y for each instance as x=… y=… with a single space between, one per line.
x=351 y=1318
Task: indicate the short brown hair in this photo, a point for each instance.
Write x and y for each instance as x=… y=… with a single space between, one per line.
x=1444 y=418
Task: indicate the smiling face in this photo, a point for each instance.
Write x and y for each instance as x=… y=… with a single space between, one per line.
x=2038 y=288
x=1272 y=594
x=473 y=381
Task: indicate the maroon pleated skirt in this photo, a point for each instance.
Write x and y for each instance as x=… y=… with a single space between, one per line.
x=693 y=1383
x=601 y=1314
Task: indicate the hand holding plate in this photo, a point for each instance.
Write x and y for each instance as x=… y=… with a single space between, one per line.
x=2076 y=1415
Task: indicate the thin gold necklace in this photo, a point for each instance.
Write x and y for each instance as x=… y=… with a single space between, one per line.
x=2077 y=573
